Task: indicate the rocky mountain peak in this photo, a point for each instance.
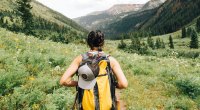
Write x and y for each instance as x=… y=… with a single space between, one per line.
x=152 y=4
x=121 y=8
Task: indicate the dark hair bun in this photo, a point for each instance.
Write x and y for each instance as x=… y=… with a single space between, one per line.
x=95 y=39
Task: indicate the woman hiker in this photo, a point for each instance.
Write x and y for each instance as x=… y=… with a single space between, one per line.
x=98 y=76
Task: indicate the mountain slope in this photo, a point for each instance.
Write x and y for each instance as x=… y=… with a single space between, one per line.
x=133 y=21
x=101 y=18
x=152 y=4
x=49 y=14
x=128 y=23
x=47 y=22
x=172 y=16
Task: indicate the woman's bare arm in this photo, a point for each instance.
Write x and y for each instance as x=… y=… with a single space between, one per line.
x=122 y=81
x=66 y=79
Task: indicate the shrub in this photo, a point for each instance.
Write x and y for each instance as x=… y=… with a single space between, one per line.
x=141 y=48
x=24 y=99
x=184 y=34
x=150 y=42
x=122 y=45
x=198 y=25
x=189 y=86
x=171 y=43
x=158 y=43
x=188 y=54
x=14 y=76
x=57 y=61
x=35 y=63
x=194 y=43
x=62 y=99
x=189 y=31
x=179 y=103
x=141 y=71
x=45 y=84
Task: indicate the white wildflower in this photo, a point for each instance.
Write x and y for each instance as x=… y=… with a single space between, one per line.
x=57 y=68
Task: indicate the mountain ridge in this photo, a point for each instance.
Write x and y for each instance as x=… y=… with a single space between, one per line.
x=98 y=19
x=172 y=16
x=152 y=4
x=65 y=20
x=169 y=17
x=119 y=8
x=39 y=10
x=103 y=19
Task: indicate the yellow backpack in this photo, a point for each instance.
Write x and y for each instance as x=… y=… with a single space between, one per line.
x=102 y=95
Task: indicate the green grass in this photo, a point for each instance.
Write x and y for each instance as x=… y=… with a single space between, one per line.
x=30 y=70
x=40 y=10
x=168 y=80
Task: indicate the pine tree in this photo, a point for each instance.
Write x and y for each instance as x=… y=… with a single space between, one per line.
x=24 y=11
x=135 y=44
x=143 y=48
x=150 y=42
x=198 y=25
x=122 y=45
x=162 y=44
x=158 y=43
x=189 y=31
x=194 y=43
x=1 y=21
x=171 y=43
x=183 y=32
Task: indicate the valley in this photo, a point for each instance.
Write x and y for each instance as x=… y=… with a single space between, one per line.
x=156 y=44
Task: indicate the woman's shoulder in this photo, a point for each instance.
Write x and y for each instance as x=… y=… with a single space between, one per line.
x=113 y=61
x=111 y=58
x=78 y=59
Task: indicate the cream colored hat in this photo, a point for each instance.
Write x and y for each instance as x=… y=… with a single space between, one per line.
x=87 y=79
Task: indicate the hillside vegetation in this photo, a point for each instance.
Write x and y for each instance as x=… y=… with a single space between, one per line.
x=160 y=76
x=30 y=70
x=100 y=19
x=47 y=24
x=169 y=17
x=173 y=15
x=120 y=18
x=128 y=23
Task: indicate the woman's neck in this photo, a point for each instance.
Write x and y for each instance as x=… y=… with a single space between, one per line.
x=95 y=49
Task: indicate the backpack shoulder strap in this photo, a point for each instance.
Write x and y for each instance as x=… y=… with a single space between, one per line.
x=84 y=56
x=80 y=92
x=113 y=82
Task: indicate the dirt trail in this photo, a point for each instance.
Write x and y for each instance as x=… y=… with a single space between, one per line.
x=121 y=103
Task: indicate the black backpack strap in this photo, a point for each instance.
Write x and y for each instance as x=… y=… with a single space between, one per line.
x=75 y=101
x=96 y=96
x=112 y=81
x=80 y=98
x=80 y=92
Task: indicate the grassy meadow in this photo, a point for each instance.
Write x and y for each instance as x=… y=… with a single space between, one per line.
x=30 y=70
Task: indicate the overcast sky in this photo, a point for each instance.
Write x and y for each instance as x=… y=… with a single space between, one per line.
x=77 y=8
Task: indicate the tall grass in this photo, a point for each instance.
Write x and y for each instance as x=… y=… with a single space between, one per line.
x=30 y=70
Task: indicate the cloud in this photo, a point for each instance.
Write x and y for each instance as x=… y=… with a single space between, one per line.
x=77 y=8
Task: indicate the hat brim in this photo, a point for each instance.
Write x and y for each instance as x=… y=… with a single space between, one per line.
x=86 y=84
